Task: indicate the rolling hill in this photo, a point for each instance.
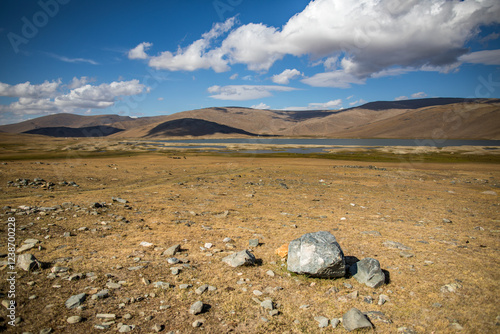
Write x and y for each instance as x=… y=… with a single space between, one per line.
x=437 y=118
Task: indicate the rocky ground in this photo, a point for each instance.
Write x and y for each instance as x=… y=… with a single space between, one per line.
x=135 y=244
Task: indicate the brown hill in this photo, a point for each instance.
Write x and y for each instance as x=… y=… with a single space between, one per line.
x=455 y=121
x=424 y=118
x=77 y=121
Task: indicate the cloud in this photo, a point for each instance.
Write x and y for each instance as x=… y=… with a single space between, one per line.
x=139 y=52
x=46 y=98
x=27 y=90
x=197 y=55
x=486 y=57
x=334 y=104
x=72 y=60
x=337 y=79
x=360 y=101
x=260 y=106
x=419 y=95
x=354 y=40
x=284 y=77
x=245 y=92
x=161 y=99
x=234 y=76
x=401 y=98
x=76 y=83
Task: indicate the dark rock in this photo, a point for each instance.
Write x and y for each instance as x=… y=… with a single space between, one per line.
x=316 y=254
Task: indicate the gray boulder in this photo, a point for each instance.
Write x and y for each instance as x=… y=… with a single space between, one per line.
x=355 y=319
x=316 y=254
x=243 y=258
x=367 y=271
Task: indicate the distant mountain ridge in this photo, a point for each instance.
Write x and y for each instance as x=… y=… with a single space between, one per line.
x=451 y=118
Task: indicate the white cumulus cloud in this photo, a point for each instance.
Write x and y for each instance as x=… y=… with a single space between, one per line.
x=197 y=55
x=47 y=98
x=284 y=77
x=419 y=95
x=260 y=106
x=139 y=52
x=354 y=40
x=245 y=92
x=27 y=90
x=334 y=104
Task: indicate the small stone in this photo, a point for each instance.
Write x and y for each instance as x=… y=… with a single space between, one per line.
x=201 y=289
x=208 y=245
x=396 y=245
x=125 y=329
x=282 y=251
x=106 y=316
x=382 y=299
x=75 y=300
x=146 y=244
x=197 y=323
x=101 y=294
x=158 y=328
x=46 y=331
x=74 y=319
x=354 y=319
x=304 y=307
x=127 y=316
x=267 y=304
x=113 y=285
x=335 y=322
x=257 y=293
x=173 y=260
x=322 y=321
x=253 y=242
x=270 y=273
x=406 y=254
x=196 y=308
x=171 y=251
x=274 y=313
x=185 y=286
x=243 y=258
x=226 y=240
x=28 y=262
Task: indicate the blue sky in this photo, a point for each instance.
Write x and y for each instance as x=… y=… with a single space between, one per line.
x=160 y=57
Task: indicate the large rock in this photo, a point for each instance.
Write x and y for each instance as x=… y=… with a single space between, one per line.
x=316 y=254
x=243 y=258
x=367 y=271
x=355 y=319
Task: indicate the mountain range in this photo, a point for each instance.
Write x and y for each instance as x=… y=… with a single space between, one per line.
x=436 y=118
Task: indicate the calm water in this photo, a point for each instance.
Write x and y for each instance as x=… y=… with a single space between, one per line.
x=340 y=142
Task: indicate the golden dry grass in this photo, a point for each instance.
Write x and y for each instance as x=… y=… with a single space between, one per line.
x=404 y=203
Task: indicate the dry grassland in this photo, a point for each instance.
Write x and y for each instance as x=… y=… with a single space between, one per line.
x=204 y=199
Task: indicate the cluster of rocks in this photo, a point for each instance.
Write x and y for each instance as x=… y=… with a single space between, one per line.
x=95 y=208
x=362 y=167
x=39 y=183
x=319 y=255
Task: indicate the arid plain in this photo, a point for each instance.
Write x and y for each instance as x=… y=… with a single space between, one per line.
x=445 y=214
